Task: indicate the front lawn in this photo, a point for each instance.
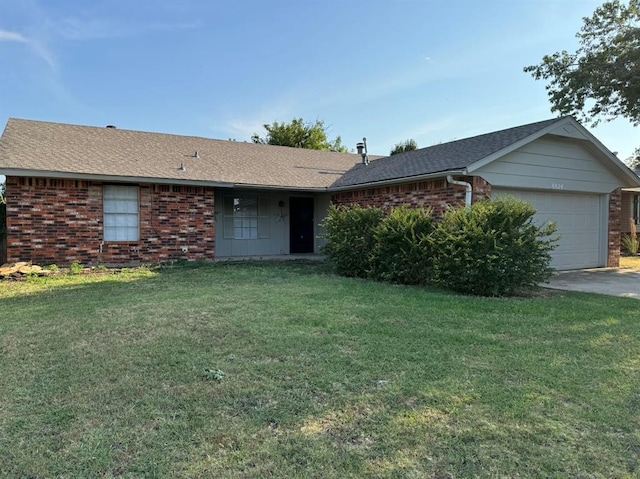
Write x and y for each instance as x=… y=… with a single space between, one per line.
x=282 y=370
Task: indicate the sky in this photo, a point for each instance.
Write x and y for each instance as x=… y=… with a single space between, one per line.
x=387 y=70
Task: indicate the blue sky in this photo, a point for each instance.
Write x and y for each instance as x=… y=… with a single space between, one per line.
x=433 y=71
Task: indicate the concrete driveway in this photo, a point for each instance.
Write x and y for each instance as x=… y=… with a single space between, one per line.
x=611 y=281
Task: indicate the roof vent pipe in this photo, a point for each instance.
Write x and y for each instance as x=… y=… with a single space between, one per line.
x=469 y=190
x=362 y=151
x=112 y=126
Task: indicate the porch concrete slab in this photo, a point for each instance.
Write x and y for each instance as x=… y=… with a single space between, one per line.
x=610 y=281
x=273 y=257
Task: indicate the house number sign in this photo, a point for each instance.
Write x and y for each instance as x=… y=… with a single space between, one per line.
x=557 y=186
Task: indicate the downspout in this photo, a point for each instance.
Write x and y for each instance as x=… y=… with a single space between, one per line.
x=469 y=193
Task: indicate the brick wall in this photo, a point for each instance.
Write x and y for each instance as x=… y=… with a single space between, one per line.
x=436 y=193
x=615 y=213
x=61 y=221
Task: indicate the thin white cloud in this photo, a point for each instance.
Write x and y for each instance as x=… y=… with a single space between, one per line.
x=38 y=47
x=7 y=36
x=42 y=50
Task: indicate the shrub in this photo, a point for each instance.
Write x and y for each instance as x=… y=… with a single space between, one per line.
x=402 y=251
x=492 y=248
x=350 y=234
x=630 y=242
x=76 y=268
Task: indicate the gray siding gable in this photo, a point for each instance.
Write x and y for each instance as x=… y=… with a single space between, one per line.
x=442 y=158
x=551 y=163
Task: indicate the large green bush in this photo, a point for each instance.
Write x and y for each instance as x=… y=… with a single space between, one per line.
x=402 y=251
x=350 y=234
x=492 y=248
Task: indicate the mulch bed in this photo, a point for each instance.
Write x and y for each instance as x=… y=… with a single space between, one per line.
x=22 y=270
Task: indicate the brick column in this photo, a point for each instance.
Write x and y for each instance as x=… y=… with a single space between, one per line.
x=615 y=212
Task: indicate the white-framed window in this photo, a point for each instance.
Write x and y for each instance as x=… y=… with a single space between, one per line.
x=636 y=208
x=121 y=213
x=246 y=217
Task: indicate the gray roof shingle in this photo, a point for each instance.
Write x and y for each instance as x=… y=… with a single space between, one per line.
x=451 y=156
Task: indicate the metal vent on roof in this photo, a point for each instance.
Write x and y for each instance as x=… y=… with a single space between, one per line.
x=111 y=126
x=362 y=151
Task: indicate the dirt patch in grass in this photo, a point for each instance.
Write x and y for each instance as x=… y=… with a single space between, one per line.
x=630 y=262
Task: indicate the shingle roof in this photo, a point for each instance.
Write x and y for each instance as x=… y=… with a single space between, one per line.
x=452 y=156
x=81 y=150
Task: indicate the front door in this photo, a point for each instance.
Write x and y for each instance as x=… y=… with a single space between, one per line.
x=301 y=225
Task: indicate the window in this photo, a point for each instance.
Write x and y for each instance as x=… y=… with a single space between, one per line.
x=246 y=217
x=636 y=208
x=121 y=213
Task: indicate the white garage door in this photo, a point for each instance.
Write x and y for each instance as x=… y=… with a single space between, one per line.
x=579 y=220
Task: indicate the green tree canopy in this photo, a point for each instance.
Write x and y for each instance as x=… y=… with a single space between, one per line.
x=602 y=78
x=634 y=161
x=298 y=134
x=404 y=146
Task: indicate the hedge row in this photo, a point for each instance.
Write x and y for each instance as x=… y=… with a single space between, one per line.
x=492 y=248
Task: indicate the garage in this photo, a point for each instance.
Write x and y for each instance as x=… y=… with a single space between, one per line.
x=579 y=217
x=570 y=181
x=568 y=176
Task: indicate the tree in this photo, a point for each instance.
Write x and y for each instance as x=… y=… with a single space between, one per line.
x=602 y=78
x=404 y=146
x=634 y=161
x=298 y=134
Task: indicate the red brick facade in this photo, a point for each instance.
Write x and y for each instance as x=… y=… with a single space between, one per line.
x=437 y=193
x=61 y=221
x=615 y=213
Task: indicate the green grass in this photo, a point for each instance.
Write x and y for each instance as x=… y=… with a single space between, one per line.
x=327 y=377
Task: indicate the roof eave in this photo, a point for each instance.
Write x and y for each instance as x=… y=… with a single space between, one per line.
x=110 y=178
x=632 y=179
x=518 y=144
x=309 y=189
x=404 y=179
x=143 y=179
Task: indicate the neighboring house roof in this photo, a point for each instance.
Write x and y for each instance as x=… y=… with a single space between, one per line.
x=455 y=157
x=69 y=151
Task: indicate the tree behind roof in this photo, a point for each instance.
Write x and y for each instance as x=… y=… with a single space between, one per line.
x=404 y=146
x=298 y=134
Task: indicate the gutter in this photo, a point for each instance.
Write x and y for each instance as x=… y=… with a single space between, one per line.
x=300 y=189
x=110 y=178
x=395 y=181
x=150 y=180
x=469 y=189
